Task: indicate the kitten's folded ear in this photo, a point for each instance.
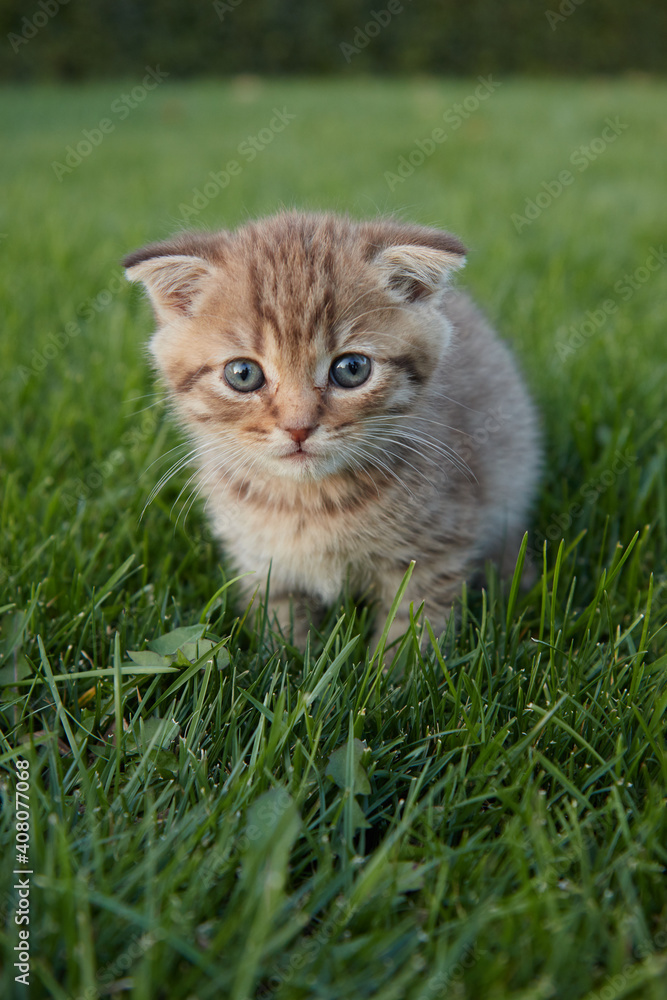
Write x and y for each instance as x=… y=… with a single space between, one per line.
x=174 y=272
x=419 y=261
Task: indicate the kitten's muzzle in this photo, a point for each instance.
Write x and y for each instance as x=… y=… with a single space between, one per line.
x=299 y=434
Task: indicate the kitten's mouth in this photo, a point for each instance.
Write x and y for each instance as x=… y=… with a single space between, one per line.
x=305 y=462
x=298 y=455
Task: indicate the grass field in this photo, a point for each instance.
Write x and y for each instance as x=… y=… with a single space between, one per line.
x=499 y=828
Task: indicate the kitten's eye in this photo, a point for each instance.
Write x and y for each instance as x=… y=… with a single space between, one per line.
x=351 y=370
x=244 y=375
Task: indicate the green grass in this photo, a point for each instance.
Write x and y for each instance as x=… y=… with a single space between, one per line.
x=499 y=828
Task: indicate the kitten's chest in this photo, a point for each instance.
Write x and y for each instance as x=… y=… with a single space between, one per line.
x=314 y=549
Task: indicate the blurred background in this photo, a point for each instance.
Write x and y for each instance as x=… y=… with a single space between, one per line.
x=118 y=37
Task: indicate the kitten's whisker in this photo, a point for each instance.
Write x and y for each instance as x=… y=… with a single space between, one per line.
x=442 y=449
x=448 y=454
x=414 y=416
x=174 y=470
x=176 y=467
x=429 y=441
x=218 y=469
x=374 y=460
x=185 y=486
x=161 y=458
x=416 y=432
x=183 y=506
x=251 y=466
x=150 y=406
x=364 y=471
x=456 y=402
x=401 y=443
x=196 y=493
x=221 y=466
x=146 y=395
x=391 y=457
x=218 y=463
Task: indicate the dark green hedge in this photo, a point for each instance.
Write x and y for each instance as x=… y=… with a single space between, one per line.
x=77 y=39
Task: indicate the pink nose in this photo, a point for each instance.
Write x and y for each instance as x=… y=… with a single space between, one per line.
x=299 y=434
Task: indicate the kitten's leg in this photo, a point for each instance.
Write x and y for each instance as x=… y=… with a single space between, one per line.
x=504 y=556
x=436 y=586
x=294 y=613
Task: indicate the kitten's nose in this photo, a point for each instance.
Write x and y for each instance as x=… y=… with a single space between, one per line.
x=299 y=434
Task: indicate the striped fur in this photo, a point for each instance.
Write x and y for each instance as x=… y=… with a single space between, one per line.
x=434 y=458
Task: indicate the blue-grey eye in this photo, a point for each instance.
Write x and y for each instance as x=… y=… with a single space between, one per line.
x=244 y=375
x=350 y=370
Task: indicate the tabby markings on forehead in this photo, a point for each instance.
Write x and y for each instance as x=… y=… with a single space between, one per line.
x=324 y=311
x=265 y=286
x=268 y=315
x=255 y=285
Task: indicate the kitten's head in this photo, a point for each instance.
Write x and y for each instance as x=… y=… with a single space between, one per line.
x=290 y=339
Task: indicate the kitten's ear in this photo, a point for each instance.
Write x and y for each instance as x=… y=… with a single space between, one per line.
x=417 y=272
x=174 y=273
x=173 y=282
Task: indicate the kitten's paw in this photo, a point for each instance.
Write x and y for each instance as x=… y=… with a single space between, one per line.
x=293 y=616
x=399 y=628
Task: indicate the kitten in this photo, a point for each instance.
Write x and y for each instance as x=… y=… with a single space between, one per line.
x=350 y=412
